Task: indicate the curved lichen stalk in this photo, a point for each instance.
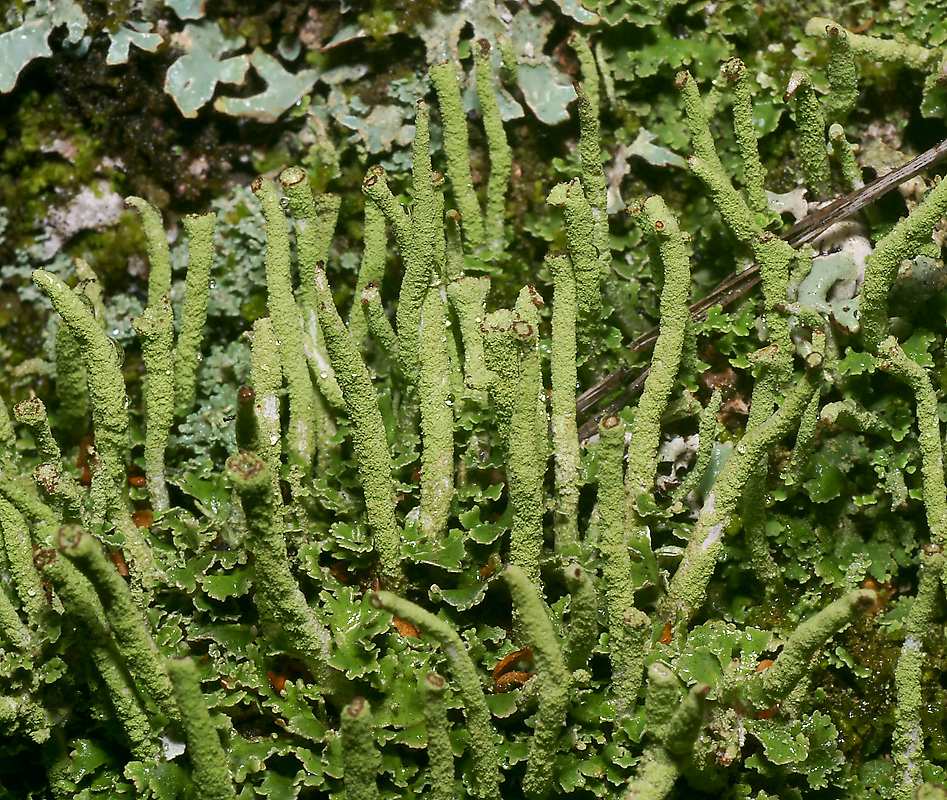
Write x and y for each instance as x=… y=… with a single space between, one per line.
x=894 y=50
x=159 y=254
x=479 y=725
x=770 y=686
x=84 y=610
x=106 y=383
x=126 y=621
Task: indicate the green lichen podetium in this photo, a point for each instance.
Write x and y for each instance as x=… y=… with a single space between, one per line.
x=659 y=224
x=811 y=123
x=419 y=257
x=467 y=295
x=12 y=629
x=278 y=593
x=377 y=323
x=590 y=152
x=772 y=253
x=873 y=47
x=372 y=267
x=563 y=378
x=71 y=382
x=266 y=378
x=688 y=587
x=908 y=742
x=553 y=678
x=433 y=689
x=465 y=676
x=457 y=151
x=368 y=434
x=898 y=363
x=200 y=232
x=288 y=326
x=753 y=506
x=209 y=761
x=707 y=434
x=72 y=385
x=625 y=623
x=753 y=174
x=907 y=238
x=32 y=413
x=17 y=548
x=770 y=686
x=652 y=577
x=437 y=419
x=583 y=613
x=155 y=328
x=106 y=384
x=314 y=218
x=659 y=767
x=501 y=157
x=125 y=619
x=159 y=255
x=359 y=754
x=845 y=155
x=843 y=76
x=583 y=249
x=414 y=233
x=85 y=611
x=510 y=353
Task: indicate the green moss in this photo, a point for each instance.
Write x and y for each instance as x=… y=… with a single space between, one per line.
x=111 y=250
x=30 y=174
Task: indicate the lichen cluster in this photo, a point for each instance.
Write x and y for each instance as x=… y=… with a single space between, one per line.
x=362 y=552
